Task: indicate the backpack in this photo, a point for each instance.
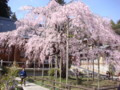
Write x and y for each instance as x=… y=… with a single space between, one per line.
x=23 y=74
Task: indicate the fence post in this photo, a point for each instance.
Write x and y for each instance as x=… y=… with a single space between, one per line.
x=118 y=86
x=94 y=88
x=43 y=81
x=69 y=87
x=53 y=85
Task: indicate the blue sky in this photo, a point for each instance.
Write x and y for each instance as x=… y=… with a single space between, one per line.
x=105 y=8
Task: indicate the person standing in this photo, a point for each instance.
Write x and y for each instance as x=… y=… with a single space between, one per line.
x=108 y=75
x=77 y=75
x=23 y=76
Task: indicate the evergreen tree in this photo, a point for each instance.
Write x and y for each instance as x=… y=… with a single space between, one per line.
x=113 y=24
x=118 y=22
x=13 y=17
x=5 y=10
x=116 y=26
x=60 y=1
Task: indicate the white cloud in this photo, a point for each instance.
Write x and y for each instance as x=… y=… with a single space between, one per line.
x=26 y=8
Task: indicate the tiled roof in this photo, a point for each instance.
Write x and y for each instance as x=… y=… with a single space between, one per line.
x=6 y=24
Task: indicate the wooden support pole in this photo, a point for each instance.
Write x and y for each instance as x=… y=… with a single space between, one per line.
x=98 y=72
x=43 y=73
x=34 y=69
x=53 y=84
x=55 y=70
x=93 y=70
x=60 y=70
x=88 y=70
x=67 y=53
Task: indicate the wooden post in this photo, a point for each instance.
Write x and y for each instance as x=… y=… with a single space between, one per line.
x=43 y=81
x=94 y=88
x=118 y=86
x=69 y=86
x=53 y=84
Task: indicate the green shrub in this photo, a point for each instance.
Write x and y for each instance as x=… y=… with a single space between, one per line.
x=30 y=80
x=8 y=79
x=51 y=72
x=4 y=70
x=117 y=31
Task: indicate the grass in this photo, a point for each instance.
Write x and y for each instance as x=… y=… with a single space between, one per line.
x=72 y=80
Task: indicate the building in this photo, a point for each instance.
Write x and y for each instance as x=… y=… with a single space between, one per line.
x=7 y=24
x=100 y=62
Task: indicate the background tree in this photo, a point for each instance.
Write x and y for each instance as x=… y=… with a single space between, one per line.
x=118 y=22
x=116 y=27
x=13 y=17
x=60 y=1
x=5 y=10
x=113 y=24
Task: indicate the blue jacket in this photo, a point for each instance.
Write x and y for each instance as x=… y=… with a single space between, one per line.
x=23 y=73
